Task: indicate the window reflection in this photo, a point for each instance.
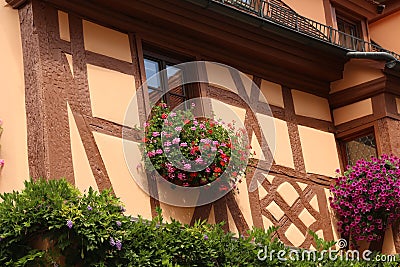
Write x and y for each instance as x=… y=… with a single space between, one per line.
x=159 y=82
x=363 y=147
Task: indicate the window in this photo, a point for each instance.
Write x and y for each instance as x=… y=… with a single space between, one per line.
x=351 y=33
x=162 y=76
x=360 y=146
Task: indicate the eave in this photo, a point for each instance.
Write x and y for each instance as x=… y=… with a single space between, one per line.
x=223 y=34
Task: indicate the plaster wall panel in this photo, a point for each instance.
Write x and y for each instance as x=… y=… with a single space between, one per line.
x=63 y=24
x=309 y=105
x=13 y=141
x=288 y=193
x=380 y=29
x=82 y=172
x=110 y=94
x=211 y=217
x=319 y=151
x=306 y=217
x=232 y=225
x=336 y=235
x=267 y=223
x=137 y=202
x=70 y=62
x=272 y=93
x=357 y=71
x=278 y=140
x=220 y=76
x=294 y=235
x=228 y=113
x=388 y=247
x=398 y=104
x=182 y=214
x=243 y=201
x=353 y=111
x=106 y=41
x=314 y=9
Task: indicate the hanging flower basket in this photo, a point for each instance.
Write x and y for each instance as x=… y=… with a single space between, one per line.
x=192 y=152
x=366 y=198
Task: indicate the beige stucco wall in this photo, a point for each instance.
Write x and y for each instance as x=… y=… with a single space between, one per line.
x=84 y=178
x=63 y=25
x=385 y=32
x=319 y=151
x=309 y=105
x=277 y=137
x=271 y=93
x=110 y=93
x=136 y=201
x=313 y=9
x=12 y=103
x=353 y=111
x=398 y=104
x=358 y=71
x=106 y=41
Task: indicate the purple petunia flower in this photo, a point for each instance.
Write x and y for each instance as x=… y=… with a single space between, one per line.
x=119 y=223
x=89 y=207
x=205 y=237
x=118 y=244
x=69 y=224
x=112 y=242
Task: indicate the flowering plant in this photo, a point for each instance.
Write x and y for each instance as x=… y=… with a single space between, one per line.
x=367 y=198
x=193 y=152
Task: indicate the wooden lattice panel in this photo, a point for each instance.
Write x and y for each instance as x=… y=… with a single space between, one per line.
x=294 y=205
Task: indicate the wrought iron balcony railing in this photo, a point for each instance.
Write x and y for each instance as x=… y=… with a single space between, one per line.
x=276 y=11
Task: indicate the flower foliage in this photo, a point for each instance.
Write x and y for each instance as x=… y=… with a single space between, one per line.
x=76 y=227
x=367 y=198
x=50 y=223
x=193 y=152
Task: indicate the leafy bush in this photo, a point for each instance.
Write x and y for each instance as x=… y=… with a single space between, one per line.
x=50 y=223
x=367 y=198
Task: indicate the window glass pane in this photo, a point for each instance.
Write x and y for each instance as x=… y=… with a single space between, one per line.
x=361 y=148
x=175 y=80
x=152 y=67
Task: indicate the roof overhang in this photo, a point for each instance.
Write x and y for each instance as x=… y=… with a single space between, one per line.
x=220 y=33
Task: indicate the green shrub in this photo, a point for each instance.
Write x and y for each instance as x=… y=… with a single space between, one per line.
x=50 y=223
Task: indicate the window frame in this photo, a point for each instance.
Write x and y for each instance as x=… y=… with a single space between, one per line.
x=164 y=59
x=163 y=65
x=350 y=17
x=344 y=138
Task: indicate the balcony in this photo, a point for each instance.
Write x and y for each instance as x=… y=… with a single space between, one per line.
x=277 y=12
